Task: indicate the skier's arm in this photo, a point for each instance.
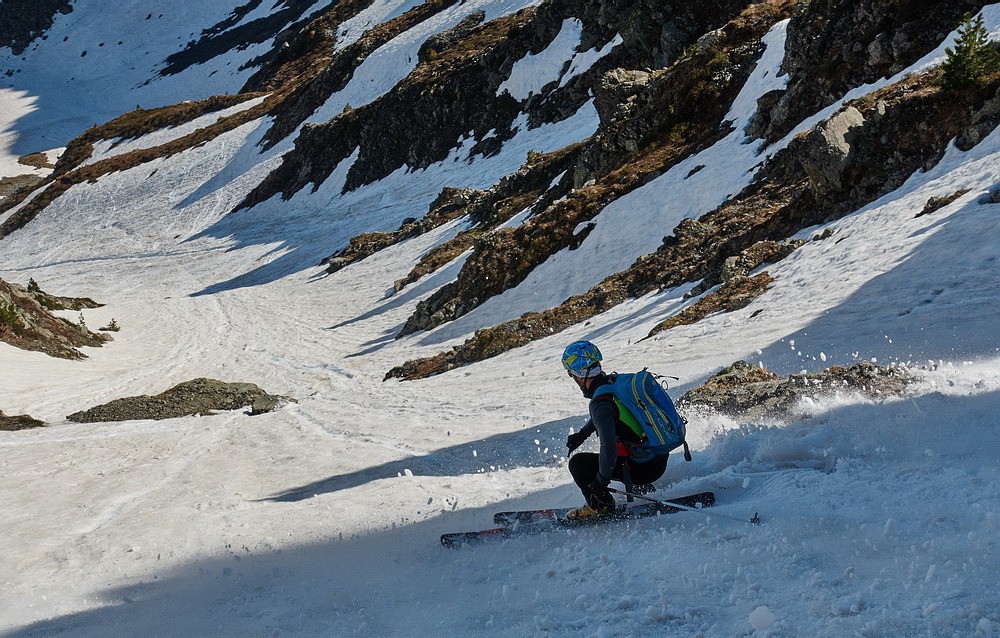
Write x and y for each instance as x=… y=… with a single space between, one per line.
x=602 y=416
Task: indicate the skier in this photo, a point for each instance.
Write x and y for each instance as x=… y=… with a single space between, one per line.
x=593 y=472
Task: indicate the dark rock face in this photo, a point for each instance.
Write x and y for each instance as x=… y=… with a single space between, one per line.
x=454 y=88
x=22 y=21
x=18 y=422
x=674 y=113
x=198 y=396
x=749 y=391
x=224 y=37
x=834 y=46
x=416 y=124
x=439 y=42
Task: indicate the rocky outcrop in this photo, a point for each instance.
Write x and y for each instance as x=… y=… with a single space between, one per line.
x=198 y=396
x=18 y=422
x=310 y=71
x=530 y=187
x=834 y=46
x=739 y=266
x=873 y=145
x=21 y=21
x=906 y=127
x=830 y=150
x=9 y=186
x=26 y=322
x=289 y=16
x=679 y=112
x=737 y=293
x=753 y=392
x=439 y=42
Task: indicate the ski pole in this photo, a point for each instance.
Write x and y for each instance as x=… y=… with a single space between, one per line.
x=756 y=520
x=653 y=500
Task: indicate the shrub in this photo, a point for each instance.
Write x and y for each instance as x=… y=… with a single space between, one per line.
x=9 y=317
x=973 y=57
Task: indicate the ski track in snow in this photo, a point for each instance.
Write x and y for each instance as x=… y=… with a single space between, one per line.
x=322 y=518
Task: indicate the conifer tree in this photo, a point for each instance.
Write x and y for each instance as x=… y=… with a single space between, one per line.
x=972 y=58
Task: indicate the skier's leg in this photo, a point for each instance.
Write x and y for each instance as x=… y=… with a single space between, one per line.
x=643 y=474
x=583 y=466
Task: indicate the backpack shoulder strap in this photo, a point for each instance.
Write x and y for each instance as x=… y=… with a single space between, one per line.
x=605 y=391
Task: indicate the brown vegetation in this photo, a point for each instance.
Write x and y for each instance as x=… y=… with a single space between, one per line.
x=735 y=294
x=36 y=160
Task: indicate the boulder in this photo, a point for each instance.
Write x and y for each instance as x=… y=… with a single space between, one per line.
x=198 y=396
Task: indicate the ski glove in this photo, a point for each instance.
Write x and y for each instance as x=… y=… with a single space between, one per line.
x=574 y=441
x=599 y=484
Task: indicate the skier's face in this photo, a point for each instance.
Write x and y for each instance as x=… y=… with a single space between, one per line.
x=581 y=383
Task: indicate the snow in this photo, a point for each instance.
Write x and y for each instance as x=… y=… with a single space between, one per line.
x=880 y=517
x=104 y=149
x=104 y=58
x=535 y=70
x=393 y=61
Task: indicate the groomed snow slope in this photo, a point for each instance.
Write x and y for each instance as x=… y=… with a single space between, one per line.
x=323 y=518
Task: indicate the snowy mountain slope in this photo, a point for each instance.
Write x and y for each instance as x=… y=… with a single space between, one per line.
x=322 y=518
x=102 y=59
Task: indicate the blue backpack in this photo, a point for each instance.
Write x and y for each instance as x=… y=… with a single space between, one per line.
x=644 y=406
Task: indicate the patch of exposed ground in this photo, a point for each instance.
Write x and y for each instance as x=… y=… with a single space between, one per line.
x=9 y=186
x=337 y=68
x=735 y=294
x=198 y=396
x=36 y=160
x=22 y=21
x=18 y=422
x=26 y=322
x=230 y=34
x=752 y=392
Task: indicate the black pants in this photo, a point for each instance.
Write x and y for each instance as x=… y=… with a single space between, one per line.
x=585 y=465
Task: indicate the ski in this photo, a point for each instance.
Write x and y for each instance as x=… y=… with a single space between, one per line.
x=702 y=499
x=538 y=521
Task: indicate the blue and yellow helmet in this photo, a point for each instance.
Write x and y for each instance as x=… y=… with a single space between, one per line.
x=582 y=359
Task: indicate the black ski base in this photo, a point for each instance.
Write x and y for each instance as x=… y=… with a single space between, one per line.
x=526 y=522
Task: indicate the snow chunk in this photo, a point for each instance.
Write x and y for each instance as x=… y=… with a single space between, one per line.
x=762 y=618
